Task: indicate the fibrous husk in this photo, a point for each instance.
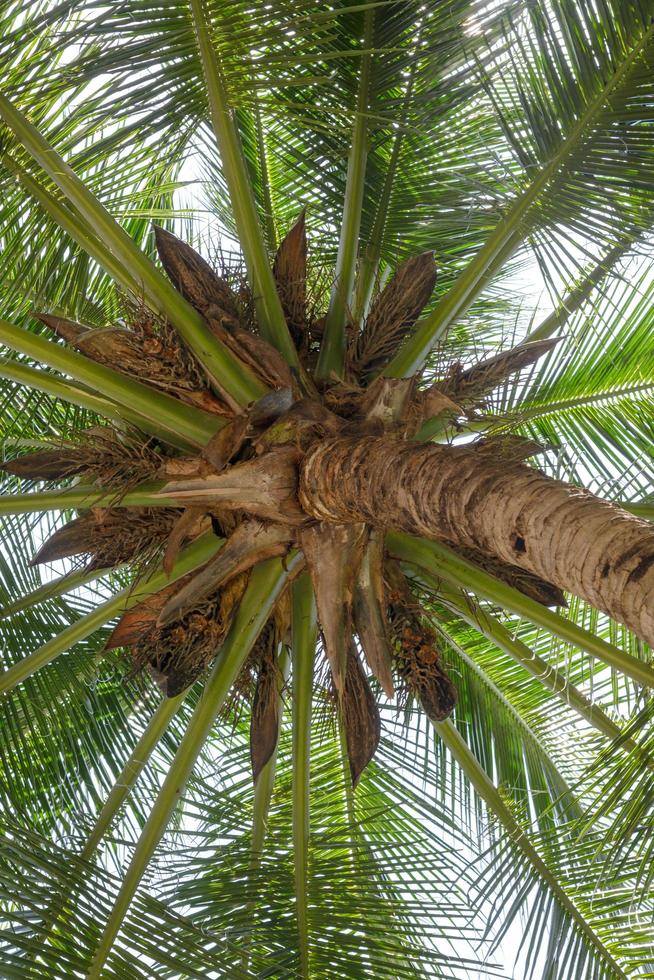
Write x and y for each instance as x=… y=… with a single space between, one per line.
x=290 y=273
x=470 y=384
x=416 y=651
x=369 y=611
x=111 y=535
x=393 y=314
x=264 y=719
x=333 y=553
x=195 y=279
x=70 y=330
x=384 y=404
x=47 y=464
x=304 y=422
x=213 y=297
x=524 y=581
x=252 y=541
x=360 y=716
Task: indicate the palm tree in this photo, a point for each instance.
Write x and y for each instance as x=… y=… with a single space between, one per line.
x=347 y=674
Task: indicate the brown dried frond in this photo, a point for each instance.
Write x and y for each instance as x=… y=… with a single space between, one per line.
x=194 y=278
x=70 y=330
x=151 y=351
x=417 y=654
x=46 y=464
x=468 y=385
x=360 y=716
x=177 y=654
x=104 y=456
x=290 y=273
x=119 y=460
x=393 y=314
x=524 y=581
x=264 y=719
x=112 y=536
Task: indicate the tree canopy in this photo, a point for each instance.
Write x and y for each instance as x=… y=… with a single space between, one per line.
x=505 y=140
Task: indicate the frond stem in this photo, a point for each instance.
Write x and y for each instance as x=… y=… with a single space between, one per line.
x=486 y=789
x=271 y=320
x=266 y=582
x=332 y=349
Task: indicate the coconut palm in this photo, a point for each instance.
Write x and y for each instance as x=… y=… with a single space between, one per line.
x=343 y=668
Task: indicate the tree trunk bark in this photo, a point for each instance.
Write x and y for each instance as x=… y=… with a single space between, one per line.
x=564 y=534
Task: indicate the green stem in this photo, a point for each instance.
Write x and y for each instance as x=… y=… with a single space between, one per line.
x=192 y=424
x=270 y=316
x=267 y=203
x=493 y=800
x=60 y=908
x=497 y=633
x=227 y=372
x=131 y=771
x=77 y=395
x=370 y=259
x=645 y=511
x=332 y=350
x=438 y=558
x=304 y=636
x=74 y=226
x=265 y=585
x=52 y=590
x=508 y=234
x=192 y=557
x=81 y=497
x=577 y=296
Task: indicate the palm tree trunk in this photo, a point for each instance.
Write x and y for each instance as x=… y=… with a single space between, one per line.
x=562 y=533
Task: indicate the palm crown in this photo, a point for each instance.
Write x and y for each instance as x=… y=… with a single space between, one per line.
x=320 y=482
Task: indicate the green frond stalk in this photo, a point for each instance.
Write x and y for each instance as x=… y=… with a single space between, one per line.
x=644 y=510
x=509 y=233
x=304 y=636
x=578 y=295
x=265 y=585
x=182 y=421
x=226 y=371
x=52 y=590
x=74 y=226
x=496 y=805
x=497 y=633
x=147 y=743
x=332 y=349
x=81 y=497
x=271 y=320
x=74 y=394
x=369 y=261
x=442 y=561
x=191 y=558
